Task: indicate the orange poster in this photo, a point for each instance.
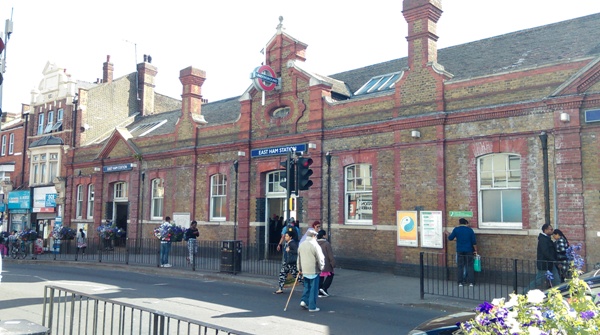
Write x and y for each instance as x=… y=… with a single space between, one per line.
x=407 y=228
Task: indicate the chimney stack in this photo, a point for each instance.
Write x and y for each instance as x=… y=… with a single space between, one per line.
x=146 y=78
x=422 y=17
x=191 y=104
x=107 y=71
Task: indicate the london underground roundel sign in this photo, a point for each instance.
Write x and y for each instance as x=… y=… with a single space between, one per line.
x=264 y=79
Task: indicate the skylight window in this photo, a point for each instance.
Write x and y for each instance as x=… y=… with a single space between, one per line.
x=146 y=128
x=380 y=83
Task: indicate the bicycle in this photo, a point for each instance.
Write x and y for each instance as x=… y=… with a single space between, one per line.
x=19 y=250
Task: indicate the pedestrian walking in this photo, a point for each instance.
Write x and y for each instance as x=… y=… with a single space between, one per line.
x=316 y=226
x=81 y=241
x=545 y=261
x=289 y=263
x=191 y=234
x=561 y=244
x=291 y=226
x=165 y=246
x=310 y=264
x=466 y=249
x=326 y=276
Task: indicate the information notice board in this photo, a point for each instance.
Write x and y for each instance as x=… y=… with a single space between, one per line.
x=432 y=235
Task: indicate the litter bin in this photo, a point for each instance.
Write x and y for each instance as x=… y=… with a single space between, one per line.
x=231 y=256
x=22 y=327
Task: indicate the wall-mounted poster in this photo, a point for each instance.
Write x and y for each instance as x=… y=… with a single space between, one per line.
x=181 y=219
x=432 y=235
x=407 y=228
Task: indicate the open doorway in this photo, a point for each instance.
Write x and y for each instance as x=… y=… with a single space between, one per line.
x=121 y=216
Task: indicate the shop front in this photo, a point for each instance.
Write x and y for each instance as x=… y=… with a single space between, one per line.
x=44 y=213
x=19 y=205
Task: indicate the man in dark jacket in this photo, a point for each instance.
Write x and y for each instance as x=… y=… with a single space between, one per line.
x=466 y=249
x=546 y=260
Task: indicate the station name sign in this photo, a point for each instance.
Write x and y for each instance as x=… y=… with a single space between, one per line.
x=275 y=151
x=117 y=168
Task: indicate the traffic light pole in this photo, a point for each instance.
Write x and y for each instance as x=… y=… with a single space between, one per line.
x=288 y=191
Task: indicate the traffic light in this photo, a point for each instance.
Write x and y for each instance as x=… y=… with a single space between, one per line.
x=304 y=173
x=288 y=165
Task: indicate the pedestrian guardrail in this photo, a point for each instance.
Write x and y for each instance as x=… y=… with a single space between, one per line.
x=499 y=277
x=255 y=258
x=67 y=311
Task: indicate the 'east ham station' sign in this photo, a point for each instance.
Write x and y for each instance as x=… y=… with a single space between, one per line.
x=275 y=151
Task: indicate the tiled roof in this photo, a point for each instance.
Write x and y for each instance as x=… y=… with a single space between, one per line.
x=557 y=42
x=222 y=111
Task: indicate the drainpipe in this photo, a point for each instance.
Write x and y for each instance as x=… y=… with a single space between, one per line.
x=544 y=140
x=328 y=158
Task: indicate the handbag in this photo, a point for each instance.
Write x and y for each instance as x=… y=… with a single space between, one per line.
x=477 y=263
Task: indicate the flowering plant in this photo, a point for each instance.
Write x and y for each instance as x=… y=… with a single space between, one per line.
x=541 y=314
x=169 y=232
x=28 y=235
x=63 y=233
x=110 y=231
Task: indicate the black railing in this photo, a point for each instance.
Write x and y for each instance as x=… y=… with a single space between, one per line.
x=70 y=312
x=255 y=258
x=499 y=277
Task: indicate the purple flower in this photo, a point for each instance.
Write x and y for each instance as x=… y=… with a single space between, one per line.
x=587 y=315
x=549 y=275
x=485 y=307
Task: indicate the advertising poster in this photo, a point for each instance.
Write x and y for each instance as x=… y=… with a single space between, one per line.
x=432 y=235
x=407 y=228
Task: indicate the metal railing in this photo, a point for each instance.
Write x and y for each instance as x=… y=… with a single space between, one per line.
x=255 y=258
x=70 y=312
x=499 y=277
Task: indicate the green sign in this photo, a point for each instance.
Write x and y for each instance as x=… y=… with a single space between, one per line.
x=461 y=214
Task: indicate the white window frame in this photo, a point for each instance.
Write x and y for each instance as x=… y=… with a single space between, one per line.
x=50 y=122
x=358 y=187
x=79 y=202
x=218 y=197
x=90 y=200
x=11 y=143
x=503 y=182
x=156 y=205
x=40 y=129
x=120 y=191
x=44 y=165
x=3 y=145
x=59 y=115
x=273 y=180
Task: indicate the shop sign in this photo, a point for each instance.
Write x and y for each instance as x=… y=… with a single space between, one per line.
x=264 y=78
x=40 y=196
x=117 y=168
x=19 y=200
x=275 y=151
x=50 y=200
x=43 y=210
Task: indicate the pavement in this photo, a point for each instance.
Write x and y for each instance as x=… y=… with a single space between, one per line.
x=384 y=288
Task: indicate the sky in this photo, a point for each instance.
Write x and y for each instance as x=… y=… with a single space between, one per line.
x=225 y=37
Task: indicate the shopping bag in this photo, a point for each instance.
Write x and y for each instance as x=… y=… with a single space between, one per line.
x=477 y=263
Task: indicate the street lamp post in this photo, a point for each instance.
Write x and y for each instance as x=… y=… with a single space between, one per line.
x=235 y=167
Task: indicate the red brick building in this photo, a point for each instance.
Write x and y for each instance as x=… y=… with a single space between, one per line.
x=501 y=130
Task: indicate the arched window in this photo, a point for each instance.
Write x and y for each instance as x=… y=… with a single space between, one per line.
x=90 y=206
x=79 y=205
x=359 y=194
x=499 y=191
x=218 y=197
x=158 y=192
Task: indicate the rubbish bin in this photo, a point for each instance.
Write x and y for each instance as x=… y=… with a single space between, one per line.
x=22 y=327
x=231 y=256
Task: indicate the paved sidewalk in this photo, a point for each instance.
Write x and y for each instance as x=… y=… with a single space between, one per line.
x=367 y=286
